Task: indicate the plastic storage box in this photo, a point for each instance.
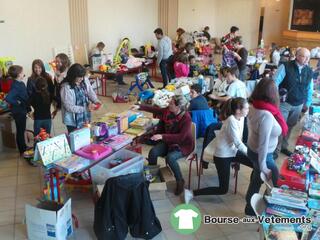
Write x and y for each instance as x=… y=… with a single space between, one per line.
x=102 y=171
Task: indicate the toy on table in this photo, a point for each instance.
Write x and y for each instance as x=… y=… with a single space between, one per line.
x=94 y=151
x=297 y=162
x=123 y=51
x=80 y=138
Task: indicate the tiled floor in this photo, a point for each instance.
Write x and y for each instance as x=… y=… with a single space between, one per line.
x=20 y=184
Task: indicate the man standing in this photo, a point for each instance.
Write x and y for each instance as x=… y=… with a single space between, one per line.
x=164 y=53
x=296 y=78
x=227 y=40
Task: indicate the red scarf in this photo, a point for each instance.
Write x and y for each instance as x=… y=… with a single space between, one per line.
x=262 y=105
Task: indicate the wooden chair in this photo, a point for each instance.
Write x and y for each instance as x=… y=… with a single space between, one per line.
x=193 y=156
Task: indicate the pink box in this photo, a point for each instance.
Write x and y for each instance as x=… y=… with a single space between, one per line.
x=94 y=151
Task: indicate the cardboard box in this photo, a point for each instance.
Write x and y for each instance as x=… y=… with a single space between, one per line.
x=6 y=123
x=49 y=224
x=166 y=174
x=8 y=139
x=159 y=187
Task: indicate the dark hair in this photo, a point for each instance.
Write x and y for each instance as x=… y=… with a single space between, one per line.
x=158 y=31
x=14 y=71
x=231 y=106
x=232 y=70
x=206 y=28
x=196 y=87
x=101 y=44
x=191 y=57
x=233 y=29
x=76 y=70
x=180 y=30
x=64 y=60
x=183 y=57
x=189 y=46
x=237 y=39
x=42 y=88
x=266 y=90
x=43 y=73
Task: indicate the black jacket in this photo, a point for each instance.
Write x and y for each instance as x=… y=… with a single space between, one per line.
x=125 y=203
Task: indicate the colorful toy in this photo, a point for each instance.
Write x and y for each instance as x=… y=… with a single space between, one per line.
x=142 y=79
x=123 y=51
x=5 y=63
x=42 y=136
x=94 y=151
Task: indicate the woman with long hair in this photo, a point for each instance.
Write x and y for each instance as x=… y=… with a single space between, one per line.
x=78 y=98
x=41 y=100
x=265 y=123
x=226 y=148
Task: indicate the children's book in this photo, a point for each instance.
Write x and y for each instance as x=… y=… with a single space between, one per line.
x=79 y=139
x=285 y=203
x=281 y=232
x=118 y=141
x=142 y=122
x=282 y=211
x=72 y=164
x=315 y=160
x=52 y=150
x=292 y=196
x=314 y=203
x=135 y=131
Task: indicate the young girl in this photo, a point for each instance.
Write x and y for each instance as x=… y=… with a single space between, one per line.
x=227 y=147
x=40 y=101
x=77 y=97
x=18 y=99
x=181 y=66
x=38 y=70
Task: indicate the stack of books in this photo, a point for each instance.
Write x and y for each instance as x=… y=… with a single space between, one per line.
x=287 y=203
x=141 y=123
x=72 y=164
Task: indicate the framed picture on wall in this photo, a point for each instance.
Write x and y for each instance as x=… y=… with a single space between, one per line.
x=302 y=17
x=305 y=15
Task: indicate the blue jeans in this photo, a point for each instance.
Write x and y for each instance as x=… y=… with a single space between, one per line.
x=255 y=180
x=164 y=71
x=45 y=123
x=161 y=150
x=243 y=74
x=291 y=114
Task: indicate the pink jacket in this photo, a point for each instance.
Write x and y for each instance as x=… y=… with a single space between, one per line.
x=181 y=69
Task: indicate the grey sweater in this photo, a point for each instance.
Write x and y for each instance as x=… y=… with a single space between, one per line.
x=264 y=131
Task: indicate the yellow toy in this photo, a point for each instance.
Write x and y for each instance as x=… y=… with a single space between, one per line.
x=123 y=51
x=5 y=63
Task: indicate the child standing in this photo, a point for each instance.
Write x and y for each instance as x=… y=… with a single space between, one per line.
x=181 y=67
x=40 y=101
x=18 y=99
x=194 y=67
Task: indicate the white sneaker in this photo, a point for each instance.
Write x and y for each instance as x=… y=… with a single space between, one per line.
x=188 y=195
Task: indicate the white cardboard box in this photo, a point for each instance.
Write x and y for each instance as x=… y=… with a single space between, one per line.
x=48 y=225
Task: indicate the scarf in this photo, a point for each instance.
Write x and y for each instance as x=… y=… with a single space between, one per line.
x=82 y=100
x=262 y=105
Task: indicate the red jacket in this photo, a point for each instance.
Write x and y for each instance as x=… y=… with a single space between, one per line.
x=177 y=132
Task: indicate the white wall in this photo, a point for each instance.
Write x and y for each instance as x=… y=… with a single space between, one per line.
x=220 y=15
x=32 y=29
x=110 y=21
x=276 y=18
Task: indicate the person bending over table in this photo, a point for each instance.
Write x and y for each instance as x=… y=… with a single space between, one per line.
x=235 y=88
x=77 y=97
x=174 y=140
x=226 y=148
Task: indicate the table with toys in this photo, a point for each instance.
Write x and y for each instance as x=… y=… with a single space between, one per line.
x=105 y=148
